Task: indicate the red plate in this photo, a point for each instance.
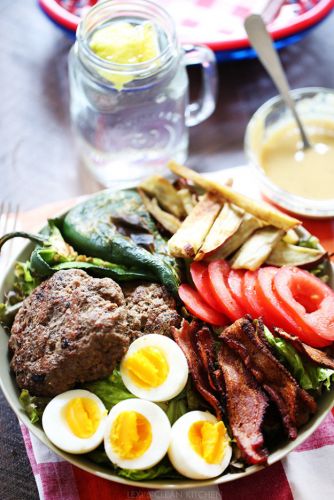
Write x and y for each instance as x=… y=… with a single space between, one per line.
x=216 y=23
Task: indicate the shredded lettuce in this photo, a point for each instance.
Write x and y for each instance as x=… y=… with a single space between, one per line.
x=310 y=376
x=33 y=405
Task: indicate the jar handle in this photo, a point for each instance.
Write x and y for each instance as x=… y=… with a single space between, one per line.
x=201 y=109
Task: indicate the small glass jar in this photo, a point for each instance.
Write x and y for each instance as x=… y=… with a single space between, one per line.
x=125 y=134
x=313 y=103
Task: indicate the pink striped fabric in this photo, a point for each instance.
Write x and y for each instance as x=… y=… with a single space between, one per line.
x=306 y=474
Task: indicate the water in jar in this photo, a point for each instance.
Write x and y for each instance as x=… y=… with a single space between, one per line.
x=128 y=134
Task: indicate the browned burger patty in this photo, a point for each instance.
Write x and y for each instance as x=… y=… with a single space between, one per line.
x=71 y=329
x=150 y=309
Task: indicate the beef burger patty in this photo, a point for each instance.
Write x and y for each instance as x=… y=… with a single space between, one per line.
x=71 y=329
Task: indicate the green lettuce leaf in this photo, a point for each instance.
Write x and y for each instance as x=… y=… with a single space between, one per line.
x=3 y=312
x=33 y=405
x=163 y=469
x=308 y=375
x=24 y=282
x=110 y=390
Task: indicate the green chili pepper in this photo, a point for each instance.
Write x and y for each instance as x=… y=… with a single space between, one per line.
x=43 y=265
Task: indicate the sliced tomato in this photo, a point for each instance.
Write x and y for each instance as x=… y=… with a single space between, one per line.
x=309 y=301
x=276 y=310
x=235 y=282
x=200 y=276
x=270 y=302
x=198 y=307
x=218 y=273
x=249 y=290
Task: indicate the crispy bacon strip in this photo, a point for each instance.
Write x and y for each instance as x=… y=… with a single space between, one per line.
x=319 y=357
x=185 y=337
x=246 y=406
x=294 y=404
x=206 y=349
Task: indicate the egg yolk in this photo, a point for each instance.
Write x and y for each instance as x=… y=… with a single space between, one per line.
x=131 y=435
x=147 y=367
x=83 y=416
x=208 y=440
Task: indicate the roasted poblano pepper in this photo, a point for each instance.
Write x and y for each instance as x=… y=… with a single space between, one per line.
x=109 y=226
x=54 y=254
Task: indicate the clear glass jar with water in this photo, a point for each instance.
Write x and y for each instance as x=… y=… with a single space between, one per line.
x=129 y=130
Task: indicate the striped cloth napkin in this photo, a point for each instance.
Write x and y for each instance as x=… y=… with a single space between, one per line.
x=305 y=474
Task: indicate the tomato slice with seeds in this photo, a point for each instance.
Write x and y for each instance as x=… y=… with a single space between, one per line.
x=270 y=302
x=234 y=281
x=309 y=301
x=218 y=273
x=200 y=276
x=281 y=316
x=198 y=307
x=254 y=307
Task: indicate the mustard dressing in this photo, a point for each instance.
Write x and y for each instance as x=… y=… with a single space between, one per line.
x=308 y=173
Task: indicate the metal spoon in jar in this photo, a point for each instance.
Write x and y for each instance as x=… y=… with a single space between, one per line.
x=263 y=45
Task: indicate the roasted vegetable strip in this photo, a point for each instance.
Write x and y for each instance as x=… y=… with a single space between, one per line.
x=248 y=225
x=166 y=194
x=226 y=224
x=285 y=254
x=246 y=406
x=185 y=337
x=188 y=239
x=260 y=209
x=257 y=248
x=188 y=200
x=167 y=220
x=293 y=402
x=311 y=353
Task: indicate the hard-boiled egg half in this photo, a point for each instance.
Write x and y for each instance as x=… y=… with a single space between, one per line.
x=154 y=368
x=200 y=446
x=75 y=421
x=137 y=434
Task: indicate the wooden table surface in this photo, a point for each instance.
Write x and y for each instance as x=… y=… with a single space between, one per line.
x=38 y=163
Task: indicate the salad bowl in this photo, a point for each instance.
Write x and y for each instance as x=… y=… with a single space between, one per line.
x=11 y=393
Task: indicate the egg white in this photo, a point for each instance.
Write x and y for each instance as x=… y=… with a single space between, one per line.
x=178 y=368
x=57 y=429
x=184 y=458
x=161 y=430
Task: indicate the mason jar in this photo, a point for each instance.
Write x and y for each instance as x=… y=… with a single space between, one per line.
x=127 y=132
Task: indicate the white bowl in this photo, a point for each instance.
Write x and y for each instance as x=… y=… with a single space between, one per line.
x=11 y=392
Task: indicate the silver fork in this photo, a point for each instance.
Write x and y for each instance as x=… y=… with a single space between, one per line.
x=8 y=222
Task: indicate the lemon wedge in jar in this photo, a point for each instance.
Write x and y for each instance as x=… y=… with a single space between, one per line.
x=125 y=43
